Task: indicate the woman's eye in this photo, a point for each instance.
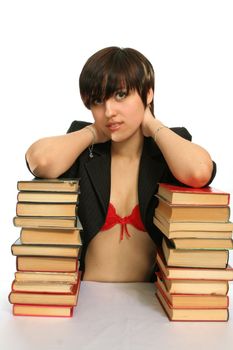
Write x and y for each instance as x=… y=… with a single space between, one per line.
x=97 y=102
x=120 y=95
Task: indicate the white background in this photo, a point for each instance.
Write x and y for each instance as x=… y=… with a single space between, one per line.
x=44 y=45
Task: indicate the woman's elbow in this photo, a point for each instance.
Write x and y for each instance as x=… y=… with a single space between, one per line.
x=40 y=165
x=201 y=176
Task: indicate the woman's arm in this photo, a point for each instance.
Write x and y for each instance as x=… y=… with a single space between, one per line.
x=50 y=157
x=189 y=163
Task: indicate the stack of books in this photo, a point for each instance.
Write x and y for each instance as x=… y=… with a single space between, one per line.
x=47 y=280
x=193 y=271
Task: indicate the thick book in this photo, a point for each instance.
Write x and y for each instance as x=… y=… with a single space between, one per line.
x=55 y=185
x=19 y=249
x=44 y=287
x=172 y=212
x=188 y=314
x=46 y=209
x=50 y=236
x=193 y=196
x=47 y=197
x=191 y=229
x=46 y=264
x=192 y=301
x=201 y=243
x=193 y=273
x=193 y=286
x=45 y=298
x=42 y=310
x=194 y=257
x=59 y=222
x=47 y=277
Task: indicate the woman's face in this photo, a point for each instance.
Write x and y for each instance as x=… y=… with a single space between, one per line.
x=120 y=116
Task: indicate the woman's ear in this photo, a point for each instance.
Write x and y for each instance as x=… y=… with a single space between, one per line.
x=150 y=96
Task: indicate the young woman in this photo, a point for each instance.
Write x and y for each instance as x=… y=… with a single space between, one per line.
x=120 y=159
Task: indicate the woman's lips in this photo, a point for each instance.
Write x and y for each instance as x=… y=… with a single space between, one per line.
x=114 y=126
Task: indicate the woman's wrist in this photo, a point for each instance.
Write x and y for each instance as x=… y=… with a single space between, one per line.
x=91 y=131
x=154 y=126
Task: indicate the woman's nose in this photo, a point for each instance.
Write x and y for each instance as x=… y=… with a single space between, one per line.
x=109 y=108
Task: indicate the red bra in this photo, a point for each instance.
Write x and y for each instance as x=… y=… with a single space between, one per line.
x=113 y=218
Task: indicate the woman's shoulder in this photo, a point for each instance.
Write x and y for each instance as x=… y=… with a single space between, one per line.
x=77 y=125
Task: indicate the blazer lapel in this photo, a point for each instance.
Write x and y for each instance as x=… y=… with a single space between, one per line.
x=98 y=169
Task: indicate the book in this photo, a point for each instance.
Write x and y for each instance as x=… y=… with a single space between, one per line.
x=46 y=209
x=47 y=264
x=193 y=196
x=43 y=310
x=61 y=277
x=194 y=257
x=41 y=298
x=47 y=197
x=194 y=286
x=59 y=185
x=59 y=222
x=17 y=248
x=191 y=229
x=172 y=212
x=50 y=236
x=193 y=301
x=189 y=314
x=44 y=287
x=193 y=273
x=201 y=243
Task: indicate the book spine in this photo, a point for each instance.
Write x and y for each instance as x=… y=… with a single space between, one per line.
x=41 y=315
x=190 y=319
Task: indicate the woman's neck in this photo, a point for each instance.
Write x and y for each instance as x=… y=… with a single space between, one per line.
x=130 y=148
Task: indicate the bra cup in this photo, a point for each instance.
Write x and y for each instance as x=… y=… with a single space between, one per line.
x=113 y=218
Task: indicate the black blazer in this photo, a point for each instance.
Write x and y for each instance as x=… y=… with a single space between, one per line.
x=94 y=174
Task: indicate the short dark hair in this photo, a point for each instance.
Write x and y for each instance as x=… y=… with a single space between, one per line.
x=114 y=68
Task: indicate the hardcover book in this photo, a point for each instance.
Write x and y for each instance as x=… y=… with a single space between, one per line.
x=172 y=212
x=191 y=229
x=50 y=236
x=46 y=209
x=42 y=310
x=54 y=185
x=40 y=298
x=58 y=222
x=20 y=249
x=193 y=273
x=192 y=301
x=47 y=197
x=46 y=264
x=188 y=314
x=194 y=257
x=193 y=196
x=193 y=286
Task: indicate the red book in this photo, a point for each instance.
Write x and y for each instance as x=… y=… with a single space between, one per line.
x=193 y=196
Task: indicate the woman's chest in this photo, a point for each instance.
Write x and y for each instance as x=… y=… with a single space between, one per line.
x=124 y=186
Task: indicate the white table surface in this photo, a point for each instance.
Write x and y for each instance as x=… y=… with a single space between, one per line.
x=113 y=316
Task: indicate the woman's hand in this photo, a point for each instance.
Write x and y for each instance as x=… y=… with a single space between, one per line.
x=98 y=135
x=149 y=123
